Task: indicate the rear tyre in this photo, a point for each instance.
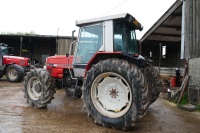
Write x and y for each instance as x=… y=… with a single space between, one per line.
x=38 y=88
x=154 y=82
x=115 y=94
x=14 y=73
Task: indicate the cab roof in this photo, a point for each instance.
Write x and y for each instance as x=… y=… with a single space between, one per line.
x=124 y=16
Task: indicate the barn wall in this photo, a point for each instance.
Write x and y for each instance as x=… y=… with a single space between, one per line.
x=37 y=47
x=172 y=58
x=63 y=46
x=192 y=39
x=12 y=42
x=192 y=29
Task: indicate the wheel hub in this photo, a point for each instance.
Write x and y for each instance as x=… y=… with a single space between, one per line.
x=111 y=95
x=34 y=88
x=12 y=73
x=37 y=88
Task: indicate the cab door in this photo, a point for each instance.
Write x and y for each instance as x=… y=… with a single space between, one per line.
x=89 y=42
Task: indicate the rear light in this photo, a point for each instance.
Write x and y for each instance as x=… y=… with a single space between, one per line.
x=60 y=75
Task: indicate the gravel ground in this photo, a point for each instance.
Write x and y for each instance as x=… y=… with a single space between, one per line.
x=67 y=115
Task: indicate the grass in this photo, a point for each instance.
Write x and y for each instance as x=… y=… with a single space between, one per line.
x=185 y=99
x=198 y=108
x=4 y=77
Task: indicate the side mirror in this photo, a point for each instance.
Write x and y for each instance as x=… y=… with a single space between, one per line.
x=67 y=54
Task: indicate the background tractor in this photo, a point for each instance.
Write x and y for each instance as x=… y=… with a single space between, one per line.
x=13 y=67
x=118 y=84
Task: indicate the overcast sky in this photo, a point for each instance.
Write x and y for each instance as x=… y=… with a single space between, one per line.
x=44 y=17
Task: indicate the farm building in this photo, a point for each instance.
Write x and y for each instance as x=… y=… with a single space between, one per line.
x=37 y=47
x=174 y=41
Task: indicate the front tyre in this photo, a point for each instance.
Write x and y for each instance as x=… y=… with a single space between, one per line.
x=14 y=73
x=115 y=94
x=38 y=88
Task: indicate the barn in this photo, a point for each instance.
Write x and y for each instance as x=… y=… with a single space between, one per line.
x=37 y=47
x=174 y=42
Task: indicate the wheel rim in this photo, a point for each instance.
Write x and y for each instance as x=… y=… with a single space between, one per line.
x=12 y=74
x=34 y=88
x=111 y=95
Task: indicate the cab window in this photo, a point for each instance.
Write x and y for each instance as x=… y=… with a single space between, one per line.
x=90 y=41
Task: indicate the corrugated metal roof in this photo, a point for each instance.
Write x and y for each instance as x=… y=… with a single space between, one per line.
x=168 y=27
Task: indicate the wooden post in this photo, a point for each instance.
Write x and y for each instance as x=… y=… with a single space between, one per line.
x=160 y=56
x=183 y=87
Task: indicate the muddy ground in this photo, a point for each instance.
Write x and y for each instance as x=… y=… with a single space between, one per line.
x=65 y=115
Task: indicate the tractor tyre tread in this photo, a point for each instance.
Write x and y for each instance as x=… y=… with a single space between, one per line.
x=47 y=86
x=139 y=89
x=19 y=70
x=155 y=86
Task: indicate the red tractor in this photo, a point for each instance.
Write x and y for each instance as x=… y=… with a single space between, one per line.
x=58 y=66
x=61 y=70
x=118 y=85
x=13 y=67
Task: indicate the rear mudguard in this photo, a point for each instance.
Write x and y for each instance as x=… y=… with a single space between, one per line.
x=133 y=58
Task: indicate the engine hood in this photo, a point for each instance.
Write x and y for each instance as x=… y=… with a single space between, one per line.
x=22 y=61
x=14 y=57
x=59 y=61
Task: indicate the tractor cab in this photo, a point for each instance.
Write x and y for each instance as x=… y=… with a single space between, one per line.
x=106 y=35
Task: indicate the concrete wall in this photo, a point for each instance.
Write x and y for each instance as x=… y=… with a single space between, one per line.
x=194 y=71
